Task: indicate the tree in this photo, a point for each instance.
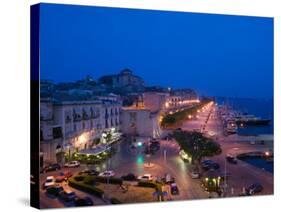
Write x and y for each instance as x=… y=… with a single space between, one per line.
x=171 y=120
x=168 y=120
x=96 y=141
x=196 y=145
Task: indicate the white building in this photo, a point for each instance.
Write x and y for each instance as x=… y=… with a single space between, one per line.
x=73 y=125
x=155 y=101
x=143 y=119
x=137 y=121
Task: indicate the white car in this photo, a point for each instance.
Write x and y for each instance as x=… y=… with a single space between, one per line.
x=50 y=181
x=107 y=174
x=195 y=175
x=145 y=177
x=72 y=164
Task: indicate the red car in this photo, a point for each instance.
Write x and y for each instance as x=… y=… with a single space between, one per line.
x=67 y=174
x=63 y=176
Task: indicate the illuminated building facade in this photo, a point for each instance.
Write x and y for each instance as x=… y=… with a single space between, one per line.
x=68 y=126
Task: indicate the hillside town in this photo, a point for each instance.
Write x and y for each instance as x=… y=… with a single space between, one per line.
x=74 y=115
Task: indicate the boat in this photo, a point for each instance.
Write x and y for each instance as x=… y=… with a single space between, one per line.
x=231 y=126
x=250 y=120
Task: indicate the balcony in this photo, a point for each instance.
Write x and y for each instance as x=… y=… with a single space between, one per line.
x=68 y=119
x=77 y=117
x=95 y=115
x=85 y=116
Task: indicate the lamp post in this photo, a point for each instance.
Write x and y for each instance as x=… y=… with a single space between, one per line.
x=68 y=149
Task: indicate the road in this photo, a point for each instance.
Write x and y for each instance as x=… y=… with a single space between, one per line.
x=132 y=160
x=242 y=174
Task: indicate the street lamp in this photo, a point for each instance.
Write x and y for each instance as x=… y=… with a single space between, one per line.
x=68 y=149
x=267 y=153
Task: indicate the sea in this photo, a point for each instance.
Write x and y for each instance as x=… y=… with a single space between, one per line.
x=259 y=107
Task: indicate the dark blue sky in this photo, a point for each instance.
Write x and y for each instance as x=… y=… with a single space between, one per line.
x=214 y=54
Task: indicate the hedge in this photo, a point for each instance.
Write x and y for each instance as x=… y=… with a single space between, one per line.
x=147 y=184
x=110 y=180
x=84 y=187
x=79 y=178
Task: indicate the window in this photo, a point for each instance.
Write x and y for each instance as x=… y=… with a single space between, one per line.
x=57 y=132
x=133 y=116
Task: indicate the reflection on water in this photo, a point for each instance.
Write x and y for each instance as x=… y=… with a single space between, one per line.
x=260 y=162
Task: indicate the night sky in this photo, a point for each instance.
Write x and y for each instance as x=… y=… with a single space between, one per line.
x=215 y=54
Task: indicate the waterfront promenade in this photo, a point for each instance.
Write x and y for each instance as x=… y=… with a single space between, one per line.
x=242 y=174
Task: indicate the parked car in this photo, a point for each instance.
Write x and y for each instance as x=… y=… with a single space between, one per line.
x=206 y=163
x=155 y=143
x=50 y=181
x=54 y=190
x=214 y=166
x=67 y=174
x=209 y=164
x=72 y=164
x=129 y=177
x=145 y=177
x=51 y=167
x=154 y=148
x=67 y=195
x=60 y=178
x=86 y=201
x=174 y=189
x=231 y=159
x=107 y=173
x=194 y=174
x=254 y=188
x=91 y=172
x=63 y=176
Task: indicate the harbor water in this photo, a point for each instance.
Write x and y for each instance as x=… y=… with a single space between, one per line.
x=262 y=108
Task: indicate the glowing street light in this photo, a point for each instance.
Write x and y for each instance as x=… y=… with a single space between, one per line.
x=267 y=153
